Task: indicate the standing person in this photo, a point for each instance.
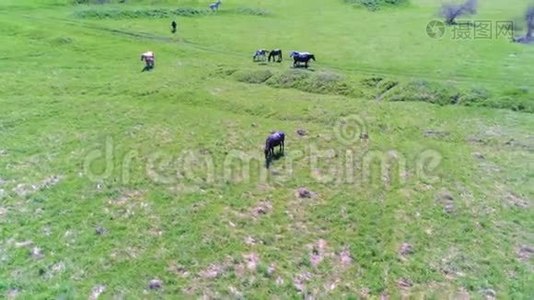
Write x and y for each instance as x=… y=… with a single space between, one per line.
x=173 y=25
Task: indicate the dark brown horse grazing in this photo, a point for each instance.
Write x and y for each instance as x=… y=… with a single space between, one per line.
x=276 y=53
x=275 y=139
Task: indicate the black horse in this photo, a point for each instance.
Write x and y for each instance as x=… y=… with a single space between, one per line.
x=275 y=139
x=299 y=57
x=276 y=53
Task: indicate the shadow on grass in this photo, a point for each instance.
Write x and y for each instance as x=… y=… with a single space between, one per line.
x=276 y=156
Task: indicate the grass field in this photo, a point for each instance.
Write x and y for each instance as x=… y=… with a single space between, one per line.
x=111 y=178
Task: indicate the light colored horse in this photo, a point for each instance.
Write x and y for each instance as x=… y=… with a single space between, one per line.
x=215 y=6
x=260 y=55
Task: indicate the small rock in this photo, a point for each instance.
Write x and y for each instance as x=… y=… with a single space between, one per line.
x=155 y=284
x=100 y=230
x=304 y=193
x=479 y=155
x=261 y=208
x=489 y=294
x=37 y=253
x=96 y=291
x=446 y=199
x=301 y=132
x=435 y=133
x=250 y=241
x=271 y=269
x=405 y=249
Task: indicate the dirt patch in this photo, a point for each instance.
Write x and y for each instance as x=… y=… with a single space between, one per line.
x=301 y=279
x=251 y=260
x=318 y=253
x=178 y=269
x=23 y=189
x=12 y=294
x=127 y=204
x=213 y=271
x=516 y=201
x=345 y=257
x=404 y=283
x=525 y=253
x=250 y=241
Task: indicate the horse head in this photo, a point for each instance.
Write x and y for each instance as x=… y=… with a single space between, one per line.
x=312 y=57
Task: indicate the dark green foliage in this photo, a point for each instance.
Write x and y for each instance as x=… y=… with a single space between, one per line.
x=376 y=4
x=320 y=83
x=256 y=76
x=140 y=13
x=253 y=11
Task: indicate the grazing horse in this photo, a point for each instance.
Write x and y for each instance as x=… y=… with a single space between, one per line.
x=276 y=53
x=148 y=57
x=260 y=55
x=275 y=139
x=299 y=57
x=215 y=6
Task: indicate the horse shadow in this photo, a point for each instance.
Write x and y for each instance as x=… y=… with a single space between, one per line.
x=276 y=156
x=146 y=68
x=303 y=68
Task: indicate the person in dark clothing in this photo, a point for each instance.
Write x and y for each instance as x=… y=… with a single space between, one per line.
x=173 y=25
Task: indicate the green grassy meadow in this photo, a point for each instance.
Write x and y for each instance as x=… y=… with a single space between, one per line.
x=111 y=177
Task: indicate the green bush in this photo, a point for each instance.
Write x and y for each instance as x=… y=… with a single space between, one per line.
x=425 y=91
x=253 y=11
x=99 y=13
x=256 y=76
